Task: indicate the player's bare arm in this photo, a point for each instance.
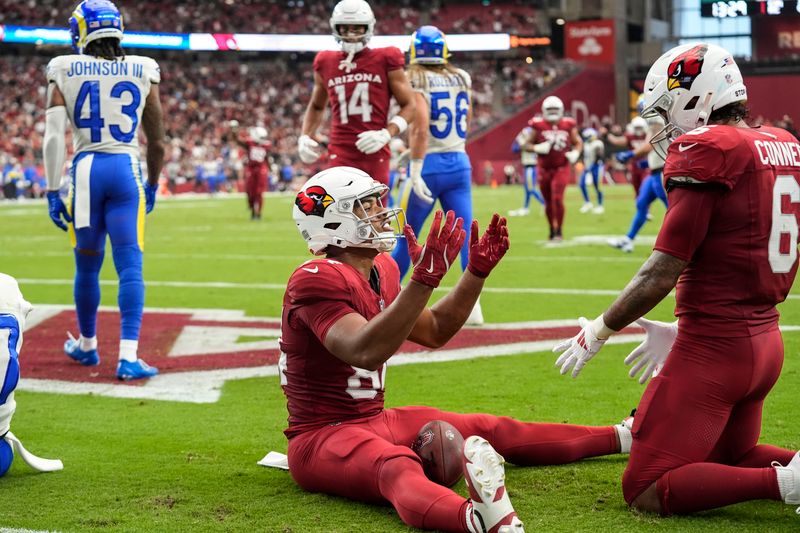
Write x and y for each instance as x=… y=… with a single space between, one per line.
x=577 y=142
x=153 y=126
x=368 y=344
x=54 y=96
x=439 y=323
x=617 y=140
x=654 y=281
x=316 y=107
x=404 y=95
x=418 y=129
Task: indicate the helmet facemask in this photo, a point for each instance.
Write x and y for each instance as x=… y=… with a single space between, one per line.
x=384 y=238
x=663 y=138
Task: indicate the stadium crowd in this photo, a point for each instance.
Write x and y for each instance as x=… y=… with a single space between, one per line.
x=286 y=16
x=201 y=97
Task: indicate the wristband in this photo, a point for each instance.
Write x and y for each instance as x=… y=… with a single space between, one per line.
x=400 y=122
x=602 y=331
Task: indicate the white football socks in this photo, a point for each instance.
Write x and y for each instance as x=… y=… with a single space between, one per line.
x=128 y=350
x=87 y=344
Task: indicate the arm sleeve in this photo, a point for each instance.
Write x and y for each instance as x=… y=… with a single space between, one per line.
x=686 y=222
x=54 y=145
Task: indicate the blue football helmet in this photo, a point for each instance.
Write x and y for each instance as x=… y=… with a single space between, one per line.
x=94 y=19
x=429 y=47
x=640 y=104
x=589 y=134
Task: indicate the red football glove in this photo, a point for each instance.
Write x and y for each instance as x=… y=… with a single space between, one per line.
x=486 y=252
x=432 y=261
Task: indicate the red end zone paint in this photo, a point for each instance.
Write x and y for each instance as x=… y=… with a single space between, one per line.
x=43 y=356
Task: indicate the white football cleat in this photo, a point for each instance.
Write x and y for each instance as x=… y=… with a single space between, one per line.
x=789 y=480
x=623 y=243
x=586 y=207
x=599 y=210
x=521 y=212
x=475 y=317
x=491 y=510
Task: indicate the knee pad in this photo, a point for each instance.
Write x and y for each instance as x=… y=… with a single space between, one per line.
x=6 y=456
x=88 y=261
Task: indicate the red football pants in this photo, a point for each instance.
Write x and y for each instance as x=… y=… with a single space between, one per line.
x=637 y=177
x=371 y=459
x=376 y=165
x=697 y=425
x=552 y=183
x=255 y=183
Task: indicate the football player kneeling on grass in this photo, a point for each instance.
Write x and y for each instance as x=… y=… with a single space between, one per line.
x=13 y=312
x=345 y=315
x=728 y=246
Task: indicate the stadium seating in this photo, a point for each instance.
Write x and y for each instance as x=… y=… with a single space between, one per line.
x=287 y=16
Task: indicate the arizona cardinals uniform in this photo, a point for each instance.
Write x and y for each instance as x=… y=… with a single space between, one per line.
x=554 y=171
x=341 y=439
x=734 y=205
x=359 y=102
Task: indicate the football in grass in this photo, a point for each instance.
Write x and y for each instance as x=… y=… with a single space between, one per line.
x=440 y=446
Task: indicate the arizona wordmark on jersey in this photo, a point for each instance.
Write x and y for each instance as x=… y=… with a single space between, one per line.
x=104 y=99
x=359 y=99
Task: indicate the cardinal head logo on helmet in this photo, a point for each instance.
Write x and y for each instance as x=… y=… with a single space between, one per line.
x=685 y=68
x=313 y=201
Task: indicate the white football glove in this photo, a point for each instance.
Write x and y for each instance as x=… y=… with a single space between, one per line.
x=307 y=149
x=653 y=352
x=371 y=141
x=578 y=350
x=572 y=156
x=543 y=148
x=418 y=184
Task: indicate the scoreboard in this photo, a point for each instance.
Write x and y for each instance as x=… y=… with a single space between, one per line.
x=724 y=9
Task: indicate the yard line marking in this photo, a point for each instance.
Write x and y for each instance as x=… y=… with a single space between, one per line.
x=205 y=386
x=279 y=286
x=302 y=256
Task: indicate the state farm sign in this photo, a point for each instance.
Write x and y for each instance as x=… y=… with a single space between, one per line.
x=591 y=40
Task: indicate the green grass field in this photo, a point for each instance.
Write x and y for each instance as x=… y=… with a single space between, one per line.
x=146 y=465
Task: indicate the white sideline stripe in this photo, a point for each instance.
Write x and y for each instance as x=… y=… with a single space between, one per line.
x=281 y=286
x=266 y=257
x=205 y=386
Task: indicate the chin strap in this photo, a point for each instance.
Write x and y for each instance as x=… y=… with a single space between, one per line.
x=348 y=64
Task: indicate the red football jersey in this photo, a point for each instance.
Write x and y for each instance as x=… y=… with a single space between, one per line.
x=359 y=99
x=320 y=388
x=560 y=134
x=741 y=237
x=257 y=154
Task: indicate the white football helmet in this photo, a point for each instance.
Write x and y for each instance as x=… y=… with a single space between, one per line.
x=259 y=134
x=352 y=12
x=686 y=84
x=552 y=109
x=324 y=212
x=638 y=126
